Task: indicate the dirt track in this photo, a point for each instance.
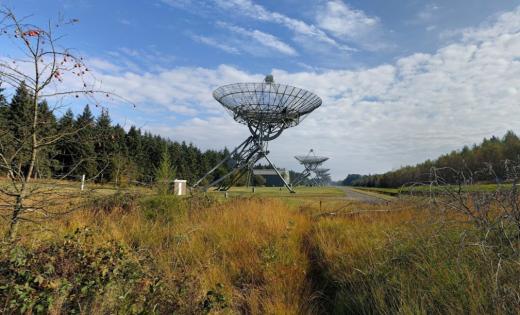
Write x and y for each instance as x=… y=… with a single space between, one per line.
x=357 y=195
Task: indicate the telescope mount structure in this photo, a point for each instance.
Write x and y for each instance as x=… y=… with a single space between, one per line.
x=310 y=163
x=322 y=176
x=267 y=109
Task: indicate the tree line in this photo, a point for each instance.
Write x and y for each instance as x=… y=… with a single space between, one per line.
x=485 y=161
x=94 y=146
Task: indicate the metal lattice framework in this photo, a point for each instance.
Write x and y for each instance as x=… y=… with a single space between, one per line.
x=322 y=176
x=267 y=109
x=310 y=163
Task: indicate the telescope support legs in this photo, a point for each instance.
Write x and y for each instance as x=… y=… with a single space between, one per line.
x=245 y=155
x=281 y=177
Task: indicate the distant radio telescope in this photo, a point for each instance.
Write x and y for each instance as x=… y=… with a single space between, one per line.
x=322 y=176
x=267 y=109
x=310 y=163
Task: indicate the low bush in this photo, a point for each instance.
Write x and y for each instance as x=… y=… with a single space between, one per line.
x=162 y=207
x=123 y=202
x=73 y=276
x=168 y=207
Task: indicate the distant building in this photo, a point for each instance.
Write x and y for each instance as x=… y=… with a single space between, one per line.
x=271 y=178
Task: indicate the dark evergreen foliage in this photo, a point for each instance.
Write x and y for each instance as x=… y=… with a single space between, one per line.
x=18 y=117
x=491 y=154
x=84 y=156
x=4 y=110
x=96 y=148
x=350 y=179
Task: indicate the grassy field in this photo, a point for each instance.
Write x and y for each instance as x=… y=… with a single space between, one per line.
x=302 y=192
x=265 y=253
x=424 y=189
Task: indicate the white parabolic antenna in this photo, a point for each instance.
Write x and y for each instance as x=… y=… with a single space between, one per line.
x=266 y=108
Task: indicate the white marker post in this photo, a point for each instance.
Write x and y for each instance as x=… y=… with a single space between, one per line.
x=82 y=182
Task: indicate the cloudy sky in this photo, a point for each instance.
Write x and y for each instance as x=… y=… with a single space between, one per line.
x=401 y=80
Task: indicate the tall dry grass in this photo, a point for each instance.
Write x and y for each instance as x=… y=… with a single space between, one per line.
x=241 y=256
x=409 y=262
x=270 y=256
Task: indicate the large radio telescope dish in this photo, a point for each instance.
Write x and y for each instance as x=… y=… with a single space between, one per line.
x=267 y=109
x=311 y=160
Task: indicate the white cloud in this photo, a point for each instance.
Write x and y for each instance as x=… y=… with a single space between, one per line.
x=344 y=22
x=215 y=43
x=428 y=13
x=103 y=65
x=147 y=58
x=182 y=90
x=264 y=39
x=503 y=24
x=372 y=119
x=300 y=28
x=178 y=3
x=124 y=21
x=506 y=23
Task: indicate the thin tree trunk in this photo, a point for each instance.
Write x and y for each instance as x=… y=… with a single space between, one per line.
x=13 y=225
x=18 y=206
x=34 y=140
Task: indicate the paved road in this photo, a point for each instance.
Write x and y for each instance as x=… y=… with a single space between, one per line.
x=356 y=195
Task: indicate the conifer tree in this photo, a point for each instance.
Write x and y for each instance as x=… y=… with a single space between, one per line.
x=5 y=133
x=104 y=145
x=3 y=105
x=19 y=118
x=66 y=148
x=164 y=173
x=84 y=151
x=512 y=147
x=19 y=114
x=47 y=128
x=122 y=169
x=133 y=140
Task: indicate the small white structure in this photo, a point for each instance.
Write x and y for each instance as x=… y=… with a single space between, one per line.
x=179 y=187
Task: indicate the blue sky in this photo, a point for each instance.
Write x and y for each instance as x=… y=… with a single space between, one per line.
x=207 y=33
x=402 y=80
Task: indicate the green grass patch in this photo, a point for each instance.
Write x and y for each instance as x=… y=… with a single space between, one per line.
x=425 y=189
x=282 y=192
